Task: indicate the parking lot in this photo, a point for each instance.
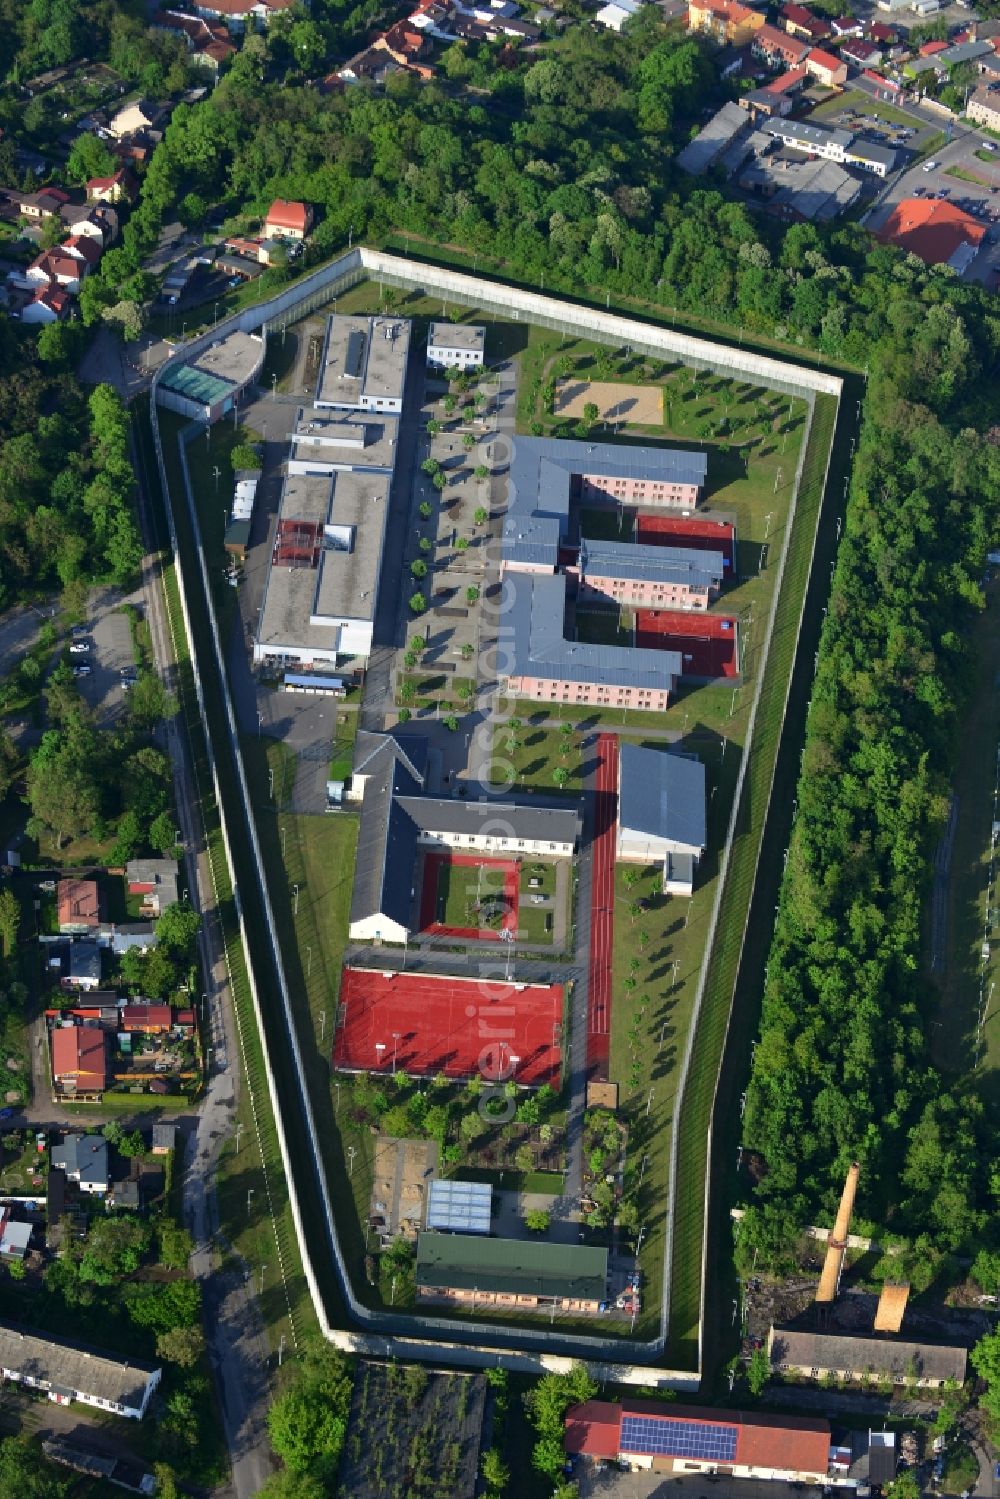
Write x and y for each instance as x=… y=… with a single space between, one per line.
x=108 y=635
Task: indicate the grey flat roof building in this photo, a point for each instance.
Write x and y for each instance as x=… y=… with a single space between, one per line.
x=815 y=137
x=533 y=642
x=325 y=439
x=896 y=1358
x=363 y=363
x=662 y=795
x=450 y=814
x=862 y=151
x=394 y=765
x=468 y=336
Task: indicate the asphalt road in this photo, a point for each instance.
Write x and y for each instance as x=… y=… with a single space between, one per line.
x=232 y=1320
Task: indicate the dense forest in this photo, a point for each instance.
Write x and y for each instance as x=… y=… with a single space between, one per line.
x=556 y=167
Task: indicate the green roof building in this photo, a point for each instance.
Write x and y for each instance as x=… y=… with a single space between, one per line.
x=511 y=1272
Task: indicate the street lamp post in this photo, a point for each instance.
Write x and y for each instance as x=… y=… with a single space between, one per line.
x=351 y=1153
x=295 y=896
x=395 y=1049
x=262 y=1269
x=250 y=1192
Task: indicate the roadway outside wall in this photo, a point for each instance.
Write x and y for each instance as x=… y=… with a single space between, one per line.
x=315 y=292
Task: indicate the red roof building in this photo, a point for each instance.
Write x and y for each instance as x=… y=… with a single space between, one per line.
x=113 y=189
x=830 y=70
x=83 y=247
x=693 y=1438
x=288 y=220
x=778 y=48
x=147 y=1020
x=799 y=21
x=78 y=905
x=880 y=32
x=78 y=1057
x=929 y=48
x=787 y=83
x=935 y=230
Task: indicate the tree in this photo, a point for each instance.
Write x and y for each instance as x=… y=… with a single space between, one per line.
x=425 y=508
x=450 y=722
x=430 y=466
x=537 y=1220
x=469 y=441
x=433 y=427
x=906 y=1485
x=560 y=776
x=163 y=833
x=418 y=604
x=126 y=315
x=461 y=543
x=471 y=594
x=758 y=1371
x=89 y=157
x=244 y=455
x=25 y=1474
x=183 y=1346
x=986 y=1362
x=177 y=928
x=307 y=1423
x=10 y=920
x=176 y=1245
x=418 y=568
x=481 y=515
x=495 y=1472
x=132 y=1144
x=62 y=791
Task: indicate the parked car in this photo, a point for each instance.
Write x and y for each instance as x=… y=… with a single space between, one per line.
x=929 y=166
x=81 y=671
x=79 y=647
x=79 y=630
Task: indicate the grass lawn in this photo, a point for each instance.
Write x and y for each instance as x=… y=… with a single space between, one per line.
x=537 y=754
x=953 y=1031
x=966 y=176
x=461 y=888
x=606 y=524
x=602 y=627
x=661 y=948
x=864 y=104
x=535 y=923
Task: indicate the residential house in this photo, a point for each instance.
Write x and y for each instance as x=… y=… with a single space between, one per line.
x=847 y=26
x=136 y=116
x=156 y=881
x=683 y=1439
x=240 y=15
x=120 y=187
x=99 y=224
x=798 y=21
x=164 y=1138
x=884 y=35
x=662 y=817
x=826 y=68
x=79 y=1058
x=78 y=905
x=937 y=231
x=726 y=20
x=67 y=1372
x=288 y=220
x=14 y=1237
x=83 y=1158
x=984 y=108
x=846 y=1356
x=56 y=266
x=615 y=14
x=83 y=969
x=778 y=49
x=45 y=204
x=146 y=1019
x=215 y=54
x=85 y=248
x=128 y=936
x=861 y=53
x=50 y=304
x=403 y=43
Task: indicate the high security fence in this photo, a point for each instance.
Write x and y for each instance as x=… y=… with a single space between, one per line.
x=411 y=1336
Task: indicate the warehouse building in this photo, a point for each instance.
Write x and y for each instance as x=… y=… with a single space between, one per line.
x=526 y=1274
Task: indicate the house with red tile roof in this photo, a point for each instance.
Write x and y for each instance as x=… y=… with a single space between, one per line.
x=861 y=53
x=83 y=248
x=50 y=304
x=78 y=905
x=787 y=83
x=726 y=20
x=685 y=1439
x=121 y=185
x=826 y=68
x=935 y=230
x=778 y=49
x=930 y=48
x=798 y=21
x=287 y=220
x=55 y=265
x=79 y=1058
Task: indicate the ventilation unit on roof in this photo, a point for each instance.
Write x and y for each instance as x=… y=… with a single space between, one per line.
x=338 y=538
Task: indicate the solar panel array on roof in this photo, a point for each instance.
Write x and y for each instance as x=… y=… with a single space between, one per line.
x=665 y=1436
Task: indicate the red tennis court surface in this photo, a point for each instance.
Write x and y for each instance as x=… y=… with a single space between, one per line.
x=707 y=642
x=456 y=1026
x=688 y=531
x=435 y=863
x=602 y=908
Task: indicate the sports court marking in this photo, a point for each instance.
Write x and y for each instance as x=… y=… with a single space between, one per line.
x=435 y=864
x=427 y=1023
x=706 y=642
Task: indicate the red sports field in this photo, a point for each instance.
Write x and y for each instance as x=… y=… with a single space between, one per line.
x=429 y=1023
x=688 y=531
x=602 y=908
x=707 y=642
x=432 y=897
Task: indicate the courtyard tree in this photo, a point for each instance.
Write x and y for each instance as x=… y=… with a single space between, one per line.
x=560 y=776
x=469 y=441
x=426 y=509
x=433 y=427
x=481 y=515
x=418 y=604
x=418 y=567
x=430 y=466
x=471 y=594
x=537 y=1220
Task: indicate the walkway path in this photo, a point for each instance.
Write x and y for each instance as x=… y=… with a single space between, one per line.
x=602 y=906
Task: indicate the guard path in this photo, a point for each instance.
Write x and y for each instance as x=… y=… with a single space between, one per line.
x=602 y=907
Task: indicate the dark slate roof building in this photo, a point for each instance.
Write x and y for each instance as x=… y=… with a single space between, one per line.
x=928 y=1365
x=467 y=1267
x=662 y=812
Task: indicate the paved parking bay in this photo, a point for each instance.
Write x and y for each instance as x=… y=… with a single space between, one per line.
x=110 y=638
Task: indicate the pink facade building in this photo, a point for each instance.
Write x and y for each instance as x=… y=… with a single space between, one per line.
x=653 y=493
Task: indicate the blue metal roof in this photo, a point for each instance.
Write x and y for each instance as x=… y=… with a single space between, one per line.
x=532 y=642
x=662 y=794
x=689 y=566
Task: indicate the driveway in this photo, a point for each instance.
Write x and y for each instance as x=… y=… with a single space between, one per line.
x=110 y=639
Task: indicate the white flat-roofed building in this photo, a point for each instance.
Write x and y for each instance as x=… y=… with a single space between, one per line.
x=363 y=364
x=326 y=442
x=452 y=346
x=322 y=584
x=457 y=1207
